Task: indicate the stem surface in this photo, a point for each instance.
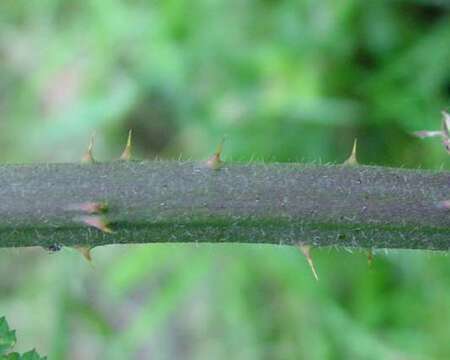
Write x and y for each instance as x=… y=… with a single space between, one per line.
x=169 y=201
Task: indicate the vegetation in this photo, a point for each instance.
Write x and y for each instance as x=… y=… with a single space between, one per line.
x=7 y=342
x=87 y=205
x=286 y=81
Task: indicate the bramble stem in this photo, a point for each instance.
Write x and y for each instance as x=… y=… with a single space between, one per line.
x=168 y=201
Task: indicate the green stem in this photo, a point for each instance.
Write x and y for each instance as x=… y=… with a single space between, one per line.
x=168 y=201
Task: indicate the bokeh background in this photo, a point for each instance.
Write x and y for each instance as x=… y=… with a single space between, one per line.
x=285 y=81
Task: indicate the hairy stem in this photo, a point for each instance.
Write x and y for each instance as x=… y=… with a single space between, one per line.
x=154 y=201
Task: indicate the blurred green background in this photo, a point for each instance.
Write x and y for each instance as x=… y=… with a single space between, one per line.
x=285 y=81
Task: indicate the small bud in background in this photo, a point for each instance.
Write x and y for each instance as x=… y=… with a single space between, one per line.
x=444 y=133
x=426 y=134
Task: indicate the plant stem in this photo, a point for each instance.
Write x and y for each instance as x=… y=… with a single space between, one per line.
x=169 y=201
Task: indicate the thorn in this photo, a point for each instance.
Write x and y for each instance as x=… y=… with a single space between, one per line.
x=126 y=155
x=85 y=251
x=352 y=158
x=370 y=257
x=88 y=158
x=444 y=133
x=97 y=222
x=90 y=207
x=306 y=250
x=215 y=162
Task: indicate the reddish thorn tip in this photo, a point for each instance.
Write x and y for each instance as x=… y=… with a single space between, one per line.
x=97 y=222
x=90 y=207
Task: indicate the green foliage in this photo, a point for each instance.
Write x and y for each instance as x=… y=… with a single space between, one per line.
x=8 y=341
x=285 y=80
x=7 y=337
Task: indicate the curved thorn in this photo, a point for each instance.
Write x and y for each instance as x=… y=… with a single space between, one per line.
x=85 y=251
x=126 y=154
x=306 y=250
x=88 y=158
x=215 y=162
x=352 y=158
x=97 y=222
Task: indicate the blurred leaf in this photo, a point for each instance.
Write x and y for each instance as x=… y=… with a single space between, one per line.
x=8 y=341
x=7 y=336
x=32 y=355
